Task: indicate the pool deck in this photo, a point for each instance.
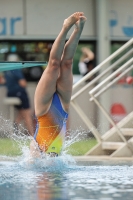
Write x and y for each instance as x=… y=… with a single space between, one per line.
x=103 y=160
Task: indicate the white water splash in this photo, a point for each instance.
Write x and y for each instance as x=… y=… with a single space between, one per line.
x=20 y=136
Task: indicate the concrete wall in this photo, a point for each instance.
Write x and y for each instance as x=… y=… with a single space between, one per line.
x=43 y=18
x=121 y=19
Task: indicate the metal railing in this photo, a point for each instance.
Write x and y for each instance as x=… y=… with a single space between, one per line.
x=102 y=82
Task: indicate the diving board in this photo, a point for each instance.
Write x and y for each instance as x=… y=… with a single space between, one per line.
x=11 y=65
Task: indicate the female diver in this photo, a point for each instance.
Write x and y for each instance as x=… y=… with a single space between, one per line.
x=53 y=92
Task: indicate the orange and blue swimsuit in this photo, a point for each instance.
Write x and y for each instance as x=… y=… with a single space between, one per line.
x=51 y=128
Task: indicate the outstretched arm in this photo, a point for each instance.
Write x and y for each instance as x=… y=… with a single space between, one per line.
x=88 y=52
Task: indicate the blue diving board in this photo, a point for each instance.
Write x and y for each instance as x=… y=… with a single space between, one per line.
x=11 y=65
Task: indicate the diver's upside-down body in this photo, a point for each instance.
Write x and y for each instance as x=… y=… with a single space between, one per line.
x=51 y=128
x=55 y=86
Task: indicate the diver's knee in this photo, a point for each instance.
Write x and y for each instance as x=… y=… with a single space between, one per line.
x=67 y=63
x=54 y=63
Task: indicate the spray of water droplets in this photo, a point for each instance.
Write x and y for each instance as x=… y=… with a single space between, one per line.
x=20 y=136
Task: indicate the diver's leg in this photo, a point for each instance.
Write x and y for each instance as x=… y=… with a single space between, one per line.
x=47 y=84
x=65 y=81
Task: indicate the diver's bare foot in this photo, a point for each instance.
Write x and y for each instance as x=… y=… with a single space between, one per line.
x=70 y=21
x=80 y=23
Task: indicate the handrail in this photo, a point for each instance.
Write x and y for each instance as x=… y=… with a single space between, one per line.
x=111 y=83
x=102 y=74
x=87 y=121
x=96 y=69
x=100 y=85
x=111 y=76
x=110 y=120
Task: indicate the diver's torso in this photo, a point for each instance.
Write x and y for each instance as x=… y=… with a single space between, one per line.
x=51 y=128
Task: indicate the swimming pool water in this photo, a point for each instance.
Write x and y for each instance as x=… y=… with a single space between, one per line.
x=58 y=180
